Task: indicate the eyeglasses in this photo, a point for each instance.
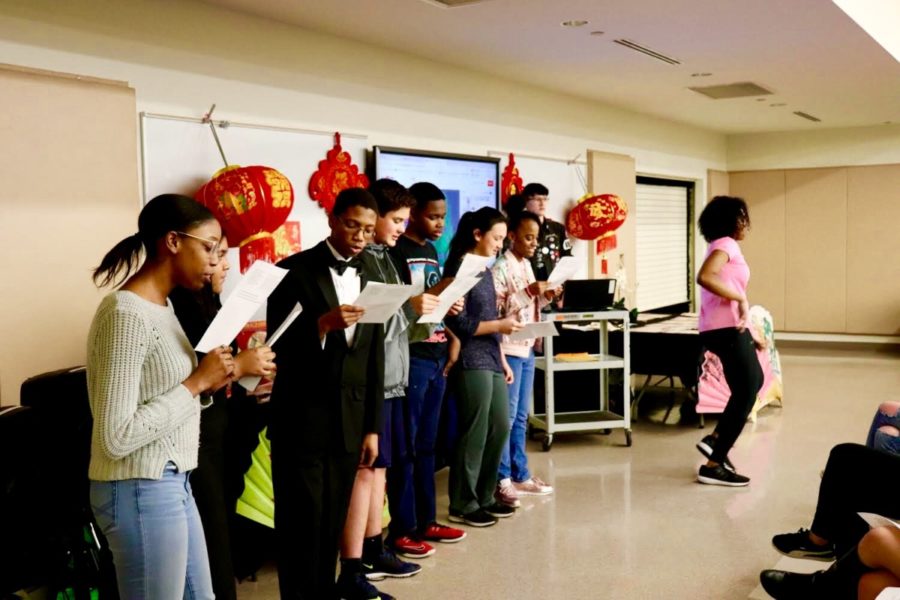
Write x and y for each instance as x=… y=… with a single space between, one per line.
x=211 y=246
x=355 y=228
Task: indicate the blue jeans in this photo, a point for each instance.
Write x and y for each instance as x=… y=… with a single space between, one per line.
x=879 y=440
x=520 y=393
x=411 y=490
x=155 y=535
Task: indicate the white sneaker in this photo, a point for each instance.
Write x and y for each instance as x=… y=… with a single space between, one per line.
x=533 y=486
x=506 y=494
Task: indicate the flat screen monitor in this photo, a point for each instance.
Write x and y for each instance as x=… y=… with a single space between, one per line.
x=468 y=182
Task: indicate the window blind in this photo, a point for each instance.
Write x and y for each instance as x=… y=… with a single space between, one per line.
x=661 y=246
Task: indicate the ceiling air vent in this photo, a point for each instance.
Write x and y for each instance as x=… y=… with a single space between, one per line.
x=452 y=3
x=807 y=116
x=743 y=89
x=645 y=50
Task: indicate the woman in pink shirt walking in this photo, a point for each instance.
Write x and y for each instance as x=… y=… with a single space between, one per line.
x=723 y=325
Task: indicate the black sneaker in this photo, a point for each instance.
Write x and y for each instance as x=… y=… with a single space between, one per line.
x=719 y=475
x=355 y=587
x=389 y=565
x=476 y=518
x=798 y=545
x=501 y=511
x=706 y=447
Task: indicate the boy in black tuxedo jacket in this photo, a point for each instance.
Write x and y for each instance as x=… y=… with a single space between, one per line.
x=327 y=397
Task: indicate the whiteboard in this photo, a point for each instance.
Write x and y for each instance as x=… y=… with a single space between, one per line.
x=180 y=155
x=565 y=185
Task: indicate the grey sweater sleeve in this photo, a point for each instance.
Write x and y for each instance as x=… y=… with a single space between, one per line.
x=116 y=360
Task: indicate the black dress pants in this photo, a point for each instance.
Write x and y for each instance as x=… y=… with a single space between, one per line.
x=856 y=479
x=312 y=494
x=740 y=364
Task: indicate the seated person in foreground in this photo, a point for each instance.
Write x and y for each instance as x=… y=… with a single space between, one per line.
x=862 y=573
x=856 y=479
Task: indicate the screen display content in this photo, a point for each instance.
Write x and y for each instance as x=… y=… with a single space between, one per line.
x=468 y=182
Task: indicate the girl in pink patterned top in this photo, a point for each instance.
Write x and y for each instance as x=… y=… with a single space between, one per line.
x=519 y=295
x=724 y=312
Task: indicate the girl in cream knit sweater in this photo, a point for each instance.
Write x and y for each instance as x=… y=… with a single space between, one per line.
x=144 y=386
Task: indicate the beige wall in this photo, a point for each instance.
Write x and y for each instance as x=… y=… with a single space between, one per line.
x=850 y=146
x=823 y=248
x=68 y=163
x=615 y=174
x=873 y=249
x=182 y=56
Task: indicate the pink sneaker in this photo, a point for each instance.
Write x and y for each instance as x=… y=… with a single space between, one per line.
x=532 y=487
x=506 y=494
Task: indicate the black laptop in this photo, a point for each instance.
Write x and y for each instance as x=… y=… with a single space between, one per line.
x=588 y=295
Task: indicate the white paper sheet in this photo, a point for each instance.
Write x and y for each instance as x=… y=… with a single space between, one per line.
x=564 y=270
x=891 y=593
x=381 y=301
x=877 y=520
x=458 y=288
x=252 y=292
x=251 y=381
x=472 y=266
x=534 y=330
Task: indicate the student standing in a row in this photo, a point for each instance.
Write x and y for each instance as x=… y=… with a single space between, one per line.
x=411 y=487
x=481 y=382
x=217 y=482
x=326 y=399
x=144 y=387
x=362 y=550
x=520 y=296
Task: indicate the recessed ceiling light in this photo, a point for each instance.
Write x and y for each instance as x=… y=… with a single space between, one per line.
x=779 y=104
x=574 y=23
x=597 y=32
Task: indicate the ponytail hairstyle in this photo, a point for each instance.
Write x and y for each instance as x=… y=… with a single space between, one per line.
x=164 y=213
x=464 y=240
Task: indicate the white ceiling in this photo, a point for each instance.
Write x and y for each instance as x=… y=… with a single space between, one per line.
x=808 y=52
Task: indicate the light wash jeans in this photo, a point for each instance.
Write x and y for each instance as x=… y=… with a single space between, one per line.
x=520 y=394
x=155 y=536
x=887 y=414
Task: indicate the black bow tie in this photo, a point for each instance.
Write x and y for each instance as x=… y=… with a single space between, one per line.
x=342 y=265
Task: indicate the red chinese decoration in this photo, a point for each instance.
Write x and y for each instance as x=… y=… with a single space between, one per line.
x=250 y=203
x=510 y=181
x=597 y=218
x=336 y=173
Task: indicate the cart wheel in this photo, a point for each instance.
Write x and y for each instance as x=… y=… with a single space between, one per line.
x=628 y=438
x=605 y=431
x=548 y=441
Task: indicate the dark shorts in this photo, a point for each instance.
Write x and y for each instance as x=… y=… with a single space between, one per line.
x=384 y=440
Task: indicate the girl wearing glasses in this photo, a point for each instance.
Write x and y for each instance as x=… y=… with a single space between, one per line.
x=145 y=386
x=229 y=428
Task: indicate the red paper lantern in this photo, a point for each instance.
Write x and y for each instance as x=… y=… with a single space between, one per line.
x=335 y=174
x=597 y=218
x=510 y=181
x=250 y=203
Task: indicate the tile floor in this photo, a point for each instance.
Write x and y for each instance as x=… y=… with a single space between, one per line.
x=631 y=523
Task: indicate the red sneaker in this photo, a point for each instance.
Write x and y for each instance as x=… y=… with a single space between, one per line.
x=411 y=548
x=442 y=533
